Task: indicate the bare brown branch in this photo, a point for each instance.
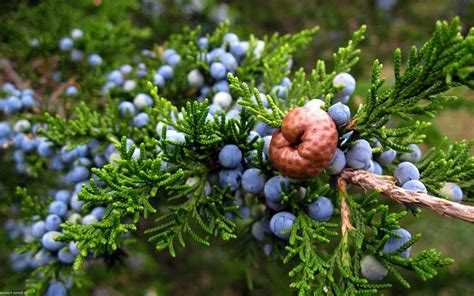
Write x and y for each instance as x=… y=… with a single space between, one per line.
x=11 y=74
x=386 y=185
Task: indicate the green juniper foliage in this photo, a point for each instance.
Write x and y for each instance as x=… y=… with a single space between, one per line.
x=168 y=181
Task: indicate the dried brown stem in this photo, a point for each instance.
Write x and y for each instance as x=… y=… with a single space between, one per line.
x=345 y=212
x=11 y=74
x=386 y=185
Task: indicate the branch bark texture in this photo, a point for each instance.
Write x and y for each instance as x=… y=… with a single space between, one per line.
x=386 y=185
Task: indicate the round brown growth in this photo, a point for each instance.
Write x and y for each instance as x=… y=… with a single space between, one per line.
x=305 y=143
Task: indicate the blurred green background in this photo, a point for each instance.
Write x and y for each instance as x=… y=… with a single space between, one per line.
x=220 y=269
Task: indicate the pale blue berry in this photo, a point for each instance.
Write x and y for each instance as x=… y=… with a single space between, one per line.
x=230 y=156
x=359 y=155
x=405 y=172
x=414 y=156
x=340 y=113
x=372 y=269
x=273 y=188
x=337 y=163
x=321 y=209
x=253 y=181
x=282 y=222
x=394 y=243
x=452 y=191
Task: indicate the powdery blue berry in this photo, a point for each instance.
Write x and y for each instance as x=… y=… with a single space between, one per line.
x=281 y=222
x=43 y=257
x=27 y=101
x=66 y=44
x=45 y=149
x=38 y=229
x=63 y=195
x=49 y=243
x=142 y=100
x=337 y=163
x=258 y=231
x=232 y=177
x=253 y=181
x=174 y=60
x=231 y=38
x=385 y=158
x=266 y=145
x=141 y=120
x=452 y=191
x=159 y=80
x=415 y=185
x=195 y=78
x=71 y=91
x=394 y=243
x=405 y=172
x=347 y=80
x=377 y=169
x=359 y=155
x=166 y=71
x=321 y=209
x=230 y=156
x=77 y=34
x=53 y=222
x=218 y=70
x=78 y=173
x=215 y=54
x=75 y=203
x=168 y=53
x=65 y=256
x=4 y=129
x=98 y=212
x=253 y=135
x=94 y=60
x=56 y=289
x=73 y=249
x=222 y=85
x=340 y=113
x=238 y=49
x=127 y=108
x=89 y=219
x=276 y=206
x=414 y=156
x=203 y=43
x=273 y=188
x=263 y=129
x=229 y=61
x=223 y=99
x=372 y=269
x=59 y=208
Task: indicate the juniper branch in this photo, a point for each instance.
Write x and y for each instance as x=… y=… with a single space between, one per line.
x=386 y=185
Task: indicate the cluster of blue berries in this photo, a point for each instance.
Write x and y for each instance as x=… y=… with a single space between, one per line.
x=16 y=100
x=77 y=55
x=237 y=170
x=372 y=269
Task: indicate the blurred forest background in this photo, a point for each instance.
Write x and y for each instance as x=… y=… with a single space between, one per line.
x=218 y=270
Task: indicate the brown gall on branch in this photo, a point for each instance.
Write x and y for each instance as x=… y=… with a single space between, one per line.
x=305 y=143
x=386 y=185
x=345 y=212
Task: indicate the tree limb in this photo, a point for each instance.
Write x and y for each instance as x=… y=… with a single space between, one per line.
x=386 y=185
x=7 y=68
